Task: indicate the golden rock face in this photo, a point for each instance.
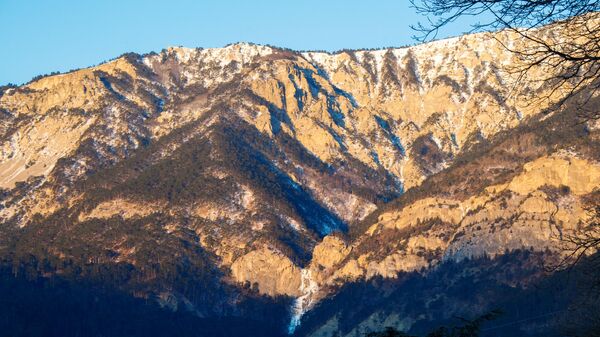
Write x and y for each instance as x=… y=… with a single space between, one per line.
x=502 y=217
x=338 y=134
x=372 y=105
x=329 y=252
x=274 y=273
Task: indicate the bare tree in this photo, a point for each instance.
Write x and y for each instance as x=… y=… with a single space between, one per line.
x=584 y=246
x=582 y=256
x=570 y=51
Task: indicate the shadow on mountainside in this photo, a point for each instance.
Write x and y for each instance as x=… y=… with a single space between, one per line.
x=532 y=302
x=32 y=305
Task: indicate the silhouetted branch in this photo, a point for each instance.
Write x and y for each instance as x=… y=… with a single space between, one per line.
x=566 y=57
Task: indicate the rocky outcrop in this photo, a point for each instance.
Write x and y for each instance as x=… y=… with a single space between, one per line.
x=518 y=214
x=581 y=176
x=273 y=272
x=123 y=208
x=329 y=252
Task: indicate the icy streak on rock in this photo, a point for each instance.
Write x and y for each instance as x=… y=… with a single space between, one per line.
x=303 y=303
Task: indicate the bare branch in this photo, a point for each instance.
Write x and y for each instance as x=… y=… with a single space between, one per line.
x=564 y=60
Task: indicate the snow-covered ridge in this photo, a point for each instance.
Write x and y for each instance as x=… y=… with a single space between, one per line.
x=211 y=66
x=239 y=52
x=435 y=54
x=244 y=52
x=208 y=66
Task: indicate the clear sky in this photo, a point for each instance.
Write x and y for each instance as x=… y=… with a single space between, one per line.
x=40 y=36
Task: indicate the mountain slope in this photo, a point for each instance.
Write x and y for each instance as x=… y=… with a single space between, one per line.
x=521 y=194
x=203 y=179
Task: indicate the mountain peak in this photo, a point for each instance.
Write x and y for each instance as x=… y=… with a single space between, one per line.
x=240 y=52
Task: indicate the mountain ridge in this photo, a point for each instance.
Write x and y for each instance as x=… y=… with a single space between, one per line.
x=218 y=166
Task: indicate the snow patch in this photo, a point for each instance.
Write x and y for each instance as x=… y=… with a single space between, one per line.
x=437 y=141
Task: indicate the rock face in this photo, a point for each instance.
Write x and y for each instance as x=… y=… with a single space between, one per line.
x=244 y=168
x=273 y=272
x=331 y=251
x=531 y=208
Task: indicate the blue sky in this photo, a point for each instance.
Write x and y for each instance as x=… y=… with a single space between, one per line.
x=40 y=36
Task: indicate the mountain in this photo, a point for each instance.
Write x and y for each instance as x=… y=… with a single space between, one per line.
x=262 y=190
